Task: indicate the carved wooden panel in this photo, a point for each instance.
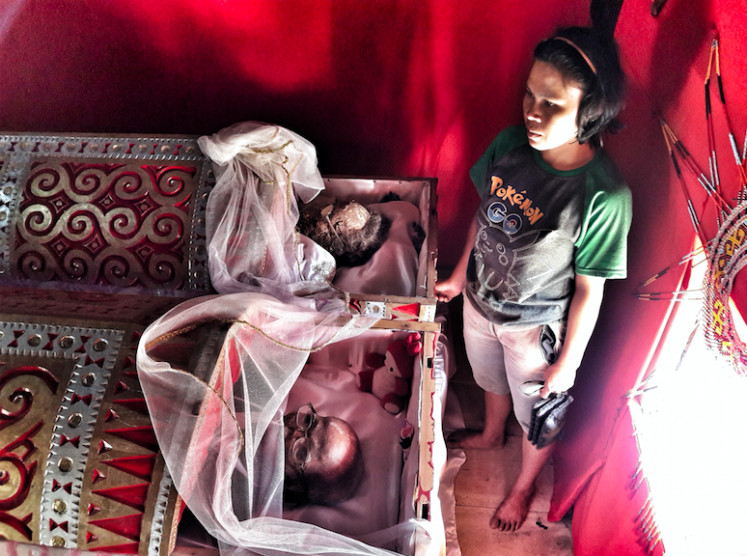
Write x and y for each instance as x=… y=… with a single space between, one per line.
x=79 y=462
x=106 y=212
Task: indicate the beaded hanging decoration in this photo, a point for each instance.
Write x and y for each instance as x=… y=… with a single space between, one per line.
x=726 y=253
x=727 y=257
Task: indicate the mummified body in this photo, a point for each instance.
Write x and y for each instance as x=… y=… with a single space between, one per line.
x=349 y=231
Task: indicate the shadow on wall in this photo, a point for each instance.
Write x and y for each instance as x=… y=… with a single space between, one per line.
x=666 y=60
x=661 y=75
x=143 y=67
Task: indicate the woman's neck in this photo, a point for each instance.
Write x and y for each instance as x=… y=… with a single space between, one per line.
x=569 y=156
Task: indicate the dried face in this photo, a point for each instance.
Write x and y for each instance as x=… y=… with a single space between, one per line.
x=331 y=446
x=349 y=218
x=350 y=232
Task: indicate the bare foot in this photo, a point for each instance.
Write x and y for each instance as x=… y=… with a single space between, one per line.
x=512 y=512
x=474 y=439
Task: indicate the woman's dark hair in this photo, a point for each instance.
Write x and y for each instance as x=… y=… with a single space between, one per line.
x=599 y=75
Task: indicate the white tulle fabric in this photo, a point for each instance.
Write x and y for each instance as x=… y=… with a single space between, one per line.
x=252 y=212
x=221 y=436
x=221 y=432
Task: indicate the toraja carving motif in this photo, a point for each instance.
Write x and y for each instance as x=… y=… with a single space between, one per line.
x=79 y=463
x=104 y=211
x=103 y=224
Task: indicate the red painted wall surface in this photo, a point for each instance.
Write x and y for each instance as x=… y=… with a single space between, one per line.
x=404 y=87
x=393 y=87
x=666 y=60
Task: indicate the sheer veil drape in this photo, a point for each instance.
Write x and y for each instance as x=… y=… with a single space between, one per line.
x=216 y=370
x=252 y=212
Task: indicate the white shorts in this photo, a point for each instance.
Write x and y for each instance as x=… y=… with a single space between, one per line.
x=504 y=357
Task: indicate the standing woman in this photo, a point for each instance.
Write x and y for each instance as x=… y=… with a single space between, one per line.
x=551 y=228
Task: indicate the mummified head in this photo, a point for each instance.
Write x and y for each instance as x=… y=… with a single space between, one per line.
x=349 y=231
x=323 y=459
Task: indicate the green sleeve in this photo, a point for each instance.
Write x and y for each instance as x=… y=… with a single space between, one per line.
x=602 y=246
x=506 y=141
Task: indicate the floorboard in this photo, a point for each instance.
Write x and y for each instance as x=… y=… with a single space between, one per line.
x=486 y=476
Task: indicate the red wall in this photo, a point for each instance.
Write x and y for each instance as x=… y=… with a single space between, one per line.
x=403 y=87
x=393 y=87
x=666 y=60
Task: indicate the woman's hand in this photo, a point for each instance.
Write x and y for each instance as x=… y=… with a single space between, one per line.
x=557 y=379
x=448 y=289
x=582 y=317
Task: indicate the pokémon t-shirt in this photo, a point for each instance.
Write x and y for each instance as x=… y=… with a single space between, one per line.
x=538 y=227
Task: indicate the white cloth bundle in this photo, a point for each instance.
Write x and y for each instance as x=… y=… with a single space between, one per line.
x=252 y=212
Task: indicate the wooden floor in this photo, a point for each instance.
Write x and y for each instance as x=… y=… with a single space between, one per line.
x=486 y=477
